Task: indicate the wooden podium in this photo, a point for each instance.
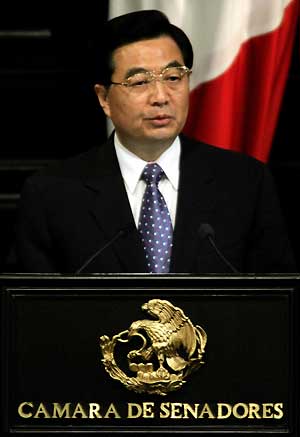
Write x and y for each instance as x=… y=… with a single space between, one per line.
x=87 y=355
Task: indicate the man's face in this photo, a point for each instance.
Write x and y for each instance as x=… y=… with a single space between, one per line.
x=155 y=115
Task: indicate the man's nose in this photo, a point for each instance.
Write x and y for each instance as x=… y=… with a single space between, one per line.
x=158 y=92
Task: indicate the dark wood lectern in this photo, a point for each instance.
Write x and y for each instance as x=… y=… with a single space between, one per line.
x=143 y=354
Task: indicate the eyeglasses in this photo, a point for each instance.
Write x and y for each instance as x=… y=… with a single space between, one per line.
x=170 y=76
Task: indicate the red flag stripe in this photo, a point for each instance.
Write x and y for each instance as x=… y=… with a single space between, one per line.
x=239 y=109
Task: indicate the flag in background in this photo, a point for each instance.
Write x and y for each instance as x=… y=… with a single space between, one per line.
x=242 y=55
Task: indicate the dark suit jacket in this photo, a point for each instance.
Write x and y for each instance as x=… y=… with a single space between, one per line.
x=70 y=210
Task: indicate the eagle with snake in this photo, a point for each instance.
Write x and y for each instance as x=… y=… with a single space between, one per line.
x=171 y=336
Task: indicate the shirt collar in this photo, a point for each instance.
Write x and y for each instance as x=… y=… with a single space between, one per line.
x=132 y=166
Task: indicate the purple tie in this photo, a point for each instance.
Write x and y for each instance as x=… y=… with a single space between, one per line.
x=155 y=224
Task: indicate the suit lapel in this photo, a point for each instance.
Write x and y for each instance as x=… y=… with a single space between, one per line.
x=111 y=210
x=196 y=204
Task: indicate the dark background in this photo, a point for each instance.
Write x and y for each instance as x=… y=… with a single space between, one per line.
x=48 y=110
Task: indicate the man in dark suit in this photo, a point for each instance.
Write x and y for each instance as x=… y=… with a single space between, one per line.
x=83 y=215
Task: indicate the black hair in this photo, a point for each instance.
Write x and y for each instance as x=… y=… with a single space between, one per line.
x=133 y=27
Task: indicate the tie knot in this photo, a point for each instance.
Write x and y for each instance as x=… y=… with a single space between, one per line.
x=152 y=174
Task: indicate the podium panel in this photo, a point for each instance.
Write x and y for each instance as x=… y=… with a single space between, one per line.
x=149 y=354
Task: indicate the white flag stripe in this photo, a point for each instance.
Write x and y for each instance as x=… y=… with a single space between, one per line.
x=217 y=28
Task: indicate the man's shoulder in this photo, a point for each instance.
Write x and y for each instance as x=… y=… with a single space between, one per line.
x=85 y=164
x=70 y=165
x=217 y=156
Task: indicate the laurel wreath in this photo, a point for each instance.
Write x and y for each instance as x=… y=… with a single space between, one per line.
x=132 y=383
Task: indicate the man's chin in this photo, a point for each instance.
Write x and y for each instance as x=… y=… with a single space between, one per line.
x=160 y=141
x=161 y=135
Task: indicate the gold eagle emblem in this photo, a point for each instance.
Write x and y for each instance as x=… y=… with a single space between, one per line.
x=172 y=347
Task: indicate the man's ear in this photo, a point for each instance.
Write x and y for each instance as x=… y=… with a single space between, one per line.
x=102 y=94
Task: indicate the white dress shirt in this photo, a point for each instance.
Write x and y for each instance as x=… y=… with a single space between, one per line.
x=131 y=168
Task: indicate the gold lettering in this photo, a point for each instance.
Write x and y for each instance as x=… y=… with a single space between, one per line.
x=267 y=412
x=21 y=411
x=130 y=410
x=225 y=415
x=112 y=410
x=148 y=412
x=79 y=410
x=206 y=410
x=279 y=409
x=41 y=410
x=175 y=410
x=189 y=409
x=164 y=410
x=59 y=411
x=94 y=411
x=253 y=411
x=240 y=415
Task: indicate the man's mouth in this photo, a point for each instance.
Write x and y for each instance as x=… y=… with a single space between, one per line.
x=160 y=120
